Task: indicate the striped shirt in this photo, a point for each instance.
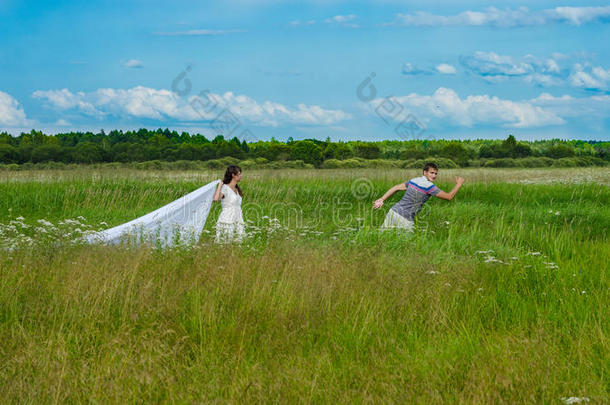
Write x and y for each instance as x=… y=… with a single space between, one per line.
x=418 y=191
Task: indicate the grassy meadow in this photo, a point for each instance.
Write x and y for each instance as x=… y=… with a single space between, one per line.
x=500 y=296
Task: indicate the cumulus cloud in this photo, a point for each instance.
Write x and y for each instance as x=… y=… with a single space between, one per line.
x=446 y=69
x=144 y=102
x=64 y=99
x=590 y=78
x=133 y=64
x=508 y=17
x=445 y=105
x=11 y=112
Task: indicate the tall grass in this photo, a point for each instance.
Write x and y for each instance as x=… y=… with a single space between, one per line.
x=499 y=297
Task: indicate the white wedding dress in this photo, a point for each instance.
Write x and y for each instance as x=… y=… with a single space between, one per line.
x=230 y=225
x=179 y=222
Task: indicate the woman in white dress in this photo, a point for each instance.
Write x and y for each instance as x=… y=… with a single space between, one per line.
x=230 y=225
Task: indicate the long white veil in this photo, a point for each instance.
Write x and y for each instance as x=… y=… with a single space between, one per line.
x=179 y=222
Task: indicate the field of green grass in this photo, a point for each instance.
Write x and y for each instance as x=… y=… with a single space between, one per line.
x=500 y=296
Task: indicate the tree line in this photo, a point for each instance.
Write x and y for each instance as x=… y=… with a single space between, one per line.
x=165 y=145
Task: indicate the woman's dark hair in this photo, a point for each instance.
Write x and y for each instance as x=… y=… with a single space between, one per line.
x=231 y=170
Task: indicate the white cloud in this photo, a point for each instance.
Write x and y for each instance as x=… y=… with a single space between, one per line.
x=601 y=73
x=552 y=66
x=199 y=32
x=538 y=79
x=133 y=64
x=492 y=64
x=596 y=78
x=64 y=99
x=297 y=23
x=590 y=108
x=537 y=71
x=144 y=102
x=338 y=20
x=413 y=70
x=508 y=17
x=343 y=20
x=11 y=112
x=446 y=105
x=446 y=69
x=62 y=123
x=579 y=15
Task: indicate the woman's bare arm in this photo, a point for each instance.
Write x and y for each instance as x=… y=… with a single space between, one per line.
x=217 y=194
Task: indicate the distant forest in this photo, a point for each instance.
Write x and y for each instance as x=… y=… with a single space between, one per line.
x=163 y=145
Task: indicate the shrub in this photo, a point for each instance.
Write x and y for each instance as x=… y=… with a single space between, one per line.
x=536 y=162
x=503 y=162
x=332 y=164
x=566 y=162
x=442 y=163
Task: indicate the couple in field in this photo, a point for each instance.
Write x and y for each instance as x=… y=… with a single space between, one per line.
x=230 y=225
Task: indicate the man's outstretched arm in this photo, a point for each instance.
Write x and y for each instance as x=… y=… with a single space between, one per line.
x=399 y=187
x=449 y=196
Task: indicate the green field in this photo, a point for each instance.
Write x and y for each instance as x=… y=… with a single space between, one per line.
x=500 y=296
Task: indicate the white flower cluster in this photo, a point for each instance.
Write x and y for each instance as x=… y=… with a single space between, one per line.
x=18 y=233
x=488 y=258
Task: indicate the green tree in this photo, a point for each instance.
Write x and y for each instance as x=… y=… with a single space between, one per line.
x=558 y=151
x=306 y=151
x=456 y=152
x=367 y=150
x=47 y=153
x=87 y=152
x=8 y=154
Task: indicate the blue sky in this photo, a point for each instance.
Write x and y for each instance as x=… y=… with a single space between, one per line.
x=263 y=68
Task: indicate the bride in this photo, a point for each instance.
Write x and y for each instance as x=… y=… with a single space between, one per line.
x=230 y=224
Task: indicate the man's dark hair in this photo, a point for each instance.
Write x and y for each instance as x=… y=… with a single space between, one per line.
x=429 y=166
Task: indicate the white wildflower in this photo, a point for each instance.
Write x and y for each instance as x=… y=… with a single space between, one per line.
x=491 y=259
x=574 y=400
x=44 y=222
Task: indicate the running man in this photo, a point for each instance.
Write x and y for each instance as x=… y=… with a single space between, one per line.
x=417 y=192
